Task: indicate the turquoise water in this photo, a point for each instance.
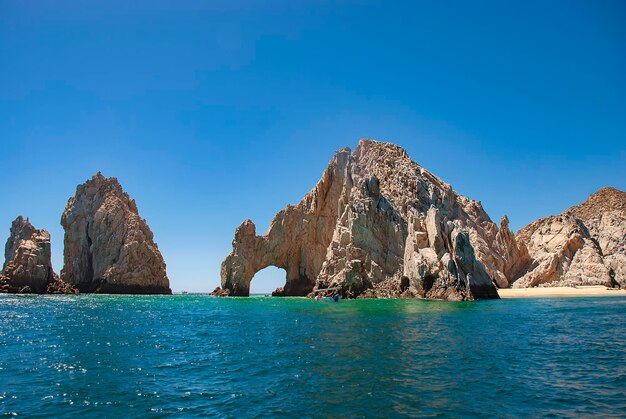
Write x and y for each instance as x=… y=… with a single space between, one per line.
x=193 y=355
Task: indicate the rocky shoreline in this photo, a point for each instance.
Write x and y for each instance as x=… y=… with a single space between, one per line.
x=376 y=225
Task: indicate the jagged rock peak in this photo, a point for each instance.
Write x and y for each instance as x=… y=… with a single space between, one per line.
x=28 y=267
x=376 y=222
x=605 y=199
x=105 y=187
x=21 y=229
x=109 y=248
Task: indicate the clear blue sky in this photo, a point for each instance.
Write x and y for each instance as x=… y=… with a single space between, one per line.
x=213 y=113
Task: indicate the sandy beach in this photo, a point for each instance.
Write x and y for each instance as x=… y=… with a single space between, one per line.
x=590 y=291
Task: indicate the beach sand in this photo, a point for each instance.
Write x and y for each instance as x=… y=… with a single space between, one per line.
x=591 y=291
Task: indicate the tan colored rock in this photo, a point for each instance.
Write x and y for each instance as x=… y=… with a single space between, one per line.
x=21 y=229
x=297 y=238
x=586 y=245
x=376 y=224
x=219 y=292
x=506 y=258
x=109 y=248
x=28 y=267
x=604 y=215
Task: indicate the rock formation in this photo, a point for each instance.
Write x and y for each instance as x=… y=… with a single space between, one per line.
x=220 y=292
x=378 y=224
x=28 y=267
x=585 y=245
x=109 y=248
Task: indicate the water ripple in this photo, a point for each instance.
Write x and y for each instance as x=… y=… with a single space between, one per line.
x=200 y=356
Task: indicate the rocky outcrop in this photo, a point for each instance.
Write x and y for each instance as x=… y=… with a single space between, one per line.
x=28 y=267
x=109 y=248
x=585 y=245
x=506 y=257
x=21 y=229
x=377 y=224
x=220 y=292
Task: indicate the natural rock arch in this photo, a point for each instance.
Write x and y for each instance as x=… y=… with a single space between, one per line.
x=374 y=218
x=296 y=240
x=256 y=253
x=269 y=280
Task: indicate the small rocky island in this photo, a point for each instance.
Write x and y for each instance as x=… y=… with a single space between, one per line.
x=28 y=266
x=108 y=248
x=377 y=224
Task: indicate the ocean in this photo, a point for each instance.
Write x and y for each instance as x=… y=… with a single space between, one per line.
x=194 y=355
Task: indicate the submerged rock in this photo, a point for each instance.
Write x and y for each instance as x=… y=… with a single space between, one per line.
x=109 y=248
x=585 y=245
x=376 y=224
x=28 y=267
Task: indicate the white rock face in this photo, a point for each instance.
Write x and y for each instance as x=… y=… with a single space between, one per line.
x=377 y=224
x=109 y=248
x=586 y=245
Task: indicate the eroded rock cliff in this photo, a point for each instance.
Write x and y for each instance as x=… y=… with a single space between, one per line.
x=378 y=224
x=109 y=248
x=28 y=267
x=585 y=245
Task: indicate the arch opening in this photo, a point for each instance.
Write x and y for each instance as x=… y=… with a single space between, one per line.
x=268 y=280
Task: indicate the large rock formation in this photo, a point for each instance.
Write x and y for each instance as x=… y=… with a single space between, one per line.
x=585 y=245
x=378 y=224
x=109 y=248
x=28 y=267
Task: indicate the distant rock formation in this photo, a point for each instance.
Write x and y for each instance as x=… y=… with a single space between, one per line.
x=109 y=248
x=378 y=224
x=28 y=267
x=220 y=292
x=585 y=245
